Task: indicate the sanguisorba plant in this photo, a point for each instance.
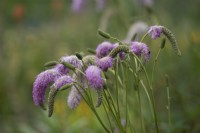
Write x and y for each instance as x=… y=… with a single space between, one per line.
x=109 y=72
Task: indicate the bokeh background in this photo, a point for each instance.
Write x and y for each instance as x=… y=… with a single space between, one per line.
x=33 y=32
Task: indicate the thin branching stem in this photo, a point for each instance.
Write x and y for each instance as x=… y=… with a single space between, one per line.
x=108 y=117
x=117 y=87
x=94 y=110
x=154 y=66
x=152 y=96
x=113 y=114
x=140 y=108
x=169 y=108
x=143 y=37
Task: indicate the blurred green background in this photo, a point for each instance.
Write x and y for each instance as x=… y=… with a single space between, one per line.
x=33 y=32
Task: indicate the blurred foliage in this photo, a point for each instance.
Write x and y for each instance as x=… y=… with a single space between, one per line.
x=34 y=32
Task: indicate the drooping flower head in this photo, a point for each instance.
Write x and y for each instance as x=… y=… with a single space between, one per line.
x=103 y=49
x=62 y=69
x=155 y=31
x=63 y=80
x=74 y=98
x=140 y=49
x=41 y=83
x=93 y=74
x=121 y=54
x=78 y=5
x=73 y=60
x=105 y=63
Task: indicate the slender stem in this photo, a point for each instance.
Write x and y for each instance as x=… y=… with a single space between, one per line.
x=100 y=120
x=94 y=110
x=108 y=117
x=154 y=111
x=150 y=86
x=154 y=66
x=148 y=96
x=126 y=94
x=80 y=71
x=118 y=77
x=140 y=105
x=112 y=102
x=113 y=114
x=85 y=92
x=143 y=37
x=117 y=89
x=169 y=108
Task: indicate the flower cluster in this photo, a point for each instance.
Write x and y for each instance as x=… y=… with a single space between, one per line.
x=140 y=49
x=60 y=74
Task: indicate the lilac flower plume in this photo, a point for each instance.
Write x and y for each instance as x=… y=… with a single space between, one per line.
x=103 y=49
x=93 y=74
x=74 y=98
x=155 y=31
x=140 y=49
x=72 y=60
x=78 y=5
x=63 y=80
x=105 y=63
x=61 y=69
x=41 y=83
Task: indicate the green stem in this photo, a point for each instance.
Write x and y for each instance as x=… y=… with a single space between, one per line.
x=143 y=37
x=169 y=108
x=112 y=102
x=93 y=109
x=124 y=76
x=154 y=66
x=140 y=105
x=149 y=84
x=148 y=96
x=117 y=89
x=108 y=117
x=113 y=114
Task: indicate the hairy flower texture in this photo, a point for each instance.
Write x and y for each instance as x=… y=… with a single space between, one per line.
x=63 y=80
x=93 y=74
x=72 y=60
x=103 y=49
x=74 y=98
x=62 y=69
x=41 y=83
x=140 y=49
x=105 y=63
x=155 y=31
x=78 y=5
